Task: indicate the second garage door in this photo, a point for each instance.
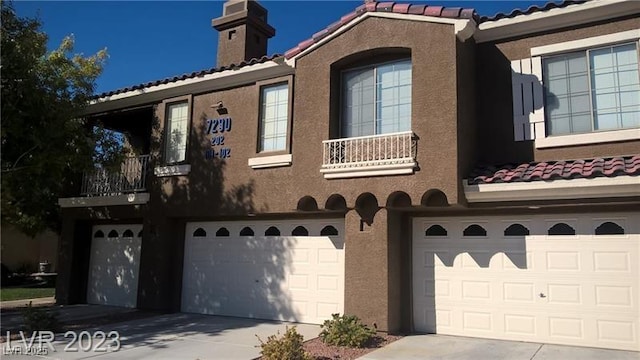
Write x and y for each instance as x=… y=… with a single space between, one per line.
x=279 y=270
x=114 y=265
x=564 y=279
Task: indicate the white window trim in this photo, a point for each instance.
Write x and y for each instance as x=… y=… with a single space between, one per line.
x=261 y=115
x=374 y=67
x=270 y=161
x=586 y=43
x=600 y=187
x=588 y=138
x=544 y=141
x=172 y=170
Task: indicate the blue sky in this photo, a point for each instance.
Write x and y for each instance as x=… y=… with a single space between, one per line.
x=151 y=40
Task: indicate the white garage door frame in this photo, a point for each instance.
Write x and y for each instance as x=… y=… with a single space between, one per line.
x=114 y=265
x=578 y=289
x=291 y=278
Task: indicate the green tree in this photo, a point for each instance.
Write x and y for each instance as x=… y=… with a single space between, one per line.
x=45 y=140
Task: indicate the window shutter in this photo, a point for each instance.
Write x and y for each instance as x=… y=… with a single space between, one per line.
x=528 y=105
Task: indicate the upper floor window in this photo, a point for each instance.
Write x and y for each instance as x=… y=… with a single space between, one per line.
x=376 y=99
x=274 y=117
x=177 y=132
x=592 y=90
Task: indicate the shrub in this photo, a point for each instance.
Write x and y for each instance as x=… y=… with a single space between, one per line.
x=39 y=319
x=288 y=347
x=346 y=330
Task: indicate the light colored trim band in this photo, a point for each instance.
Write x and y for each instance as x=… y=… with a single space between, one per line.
x=172 y=170
x=586 y=43
x=125 y=199
x=602 y=187
x=270 y=161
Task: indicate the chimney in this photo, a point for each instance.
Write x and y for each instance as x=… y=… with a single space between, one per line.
x=243 y=32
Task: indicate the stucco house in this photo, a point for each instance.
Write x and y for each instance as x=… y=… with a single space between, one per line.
x=422 y=167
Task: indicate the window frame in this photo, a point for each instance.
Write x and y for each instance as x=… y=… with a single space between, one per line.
x=167 y=103
x=342 y=104
x=586 y=53
x=600 y=136
x=273 y=158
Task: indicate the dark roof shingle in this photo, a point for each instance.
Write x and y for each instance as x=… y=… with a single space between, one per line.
x=555 y=170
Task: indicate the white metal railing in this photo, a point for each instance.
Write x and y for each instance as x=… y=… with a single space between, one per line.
x=130 y=178
x=366 y=151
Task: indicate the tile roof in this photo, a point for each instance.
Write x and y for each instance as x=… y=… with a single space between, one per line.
x=554 y=170
x=532 y=9
x=192 y=75
x=369 y=6
x=392 y=7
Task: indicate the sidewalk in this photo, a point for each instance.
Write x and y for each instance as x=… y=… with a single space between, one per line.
x=15 y=304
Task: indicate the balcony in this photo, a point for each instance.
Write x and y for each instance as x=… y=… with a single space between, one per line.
x=376 y=155
x=119 y=186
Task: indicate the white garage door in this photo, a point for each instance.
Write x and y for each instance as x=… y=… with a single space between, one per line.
x=280 y=270
x=561 y=283
x=114 y=265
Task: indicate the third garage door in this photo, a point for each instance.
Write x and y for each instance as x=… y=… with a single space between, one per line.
x=564 y=279
x=280 y=270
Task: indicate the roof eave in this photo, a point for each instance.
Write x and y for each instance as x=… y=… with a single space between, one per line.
x=583 y=188
x=210 y=82
x=463 y=29
x=577 y=14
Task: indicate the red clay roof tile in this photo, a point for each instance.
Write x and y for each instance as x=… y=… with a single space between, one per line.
x=555 y=170
x=404 y=8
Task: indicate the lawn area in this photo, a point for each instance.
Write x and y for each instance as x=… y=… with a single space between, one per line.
x=20 y=293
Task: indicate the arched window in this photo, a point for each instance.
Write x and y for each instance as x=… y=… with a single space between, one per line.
x=329 y=231
x=272 y=231
x=300 y=231
x=247 y=231
x=435 y=230
x=98 y=234
x=516 y=230
x=113 y=234
x=561 y=229
x=140 y=234
x=222 y=232
x=199 y=233
x=474 y=230
x=609 y=228
x=127 y=233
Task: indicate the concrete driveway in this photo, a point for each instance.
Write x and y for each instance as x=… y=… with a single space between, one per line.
x=179 y=336
x=432 y=347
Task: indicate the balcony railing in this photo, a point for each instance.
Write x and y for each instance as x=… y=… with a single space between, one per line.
x=129 y=178
x=386 y=154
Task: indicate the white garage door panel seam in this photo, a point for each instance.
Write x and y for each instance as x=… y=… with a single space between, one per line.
x=114 y=265
x=578 y=289
x=295 y=278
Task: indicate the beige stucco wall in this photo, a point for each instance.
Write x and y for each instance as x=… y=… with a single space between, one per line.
x=493 y=89
x=20 y=250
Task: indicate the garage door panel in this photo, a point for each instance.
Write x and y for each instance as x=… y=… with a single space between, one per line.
x=299 y=278
x=578 y=289
x=114 y=266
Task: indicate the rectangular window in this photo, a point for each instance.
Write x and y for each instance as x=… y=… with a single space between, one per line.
x=177 y=132
x=592 y=90
x=274 y=117
x=377 y=99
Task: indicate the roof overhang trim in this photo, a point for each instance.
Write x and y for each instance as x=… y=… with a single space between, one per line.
x=463 y=28
x=595 y=10
x=210 y=82
x=601 y=187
